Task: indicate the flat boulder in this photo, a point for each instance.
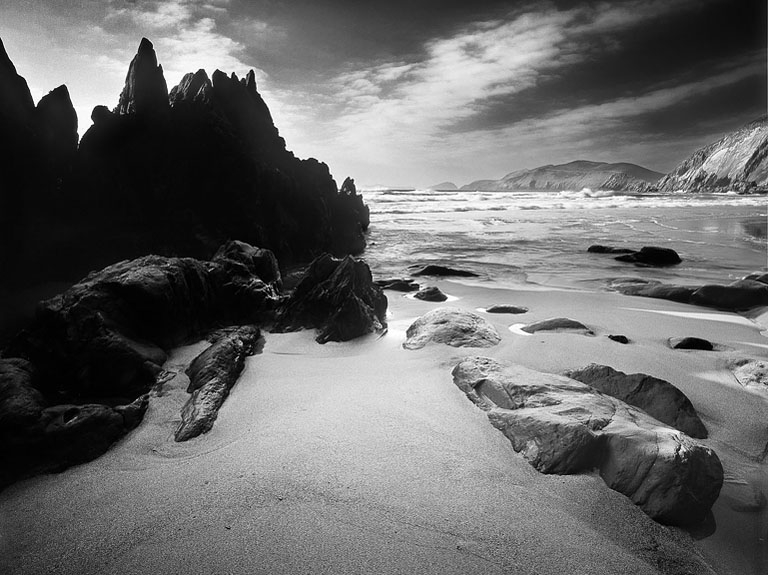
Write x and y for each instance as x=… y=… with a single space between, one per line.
x=656 y=397
x=212 y=375
x=652 y=256
x=506 y=308
x=442 y=271
x=430 y=293
x=559 y=324
x=691 y=343
x=451 y=326
x=398 y=284
x=736 y=296
x=338 y=298
x=563 y=426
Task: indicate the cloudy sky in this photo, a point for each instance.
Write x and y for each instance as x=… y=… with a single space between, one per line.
x=414 y=92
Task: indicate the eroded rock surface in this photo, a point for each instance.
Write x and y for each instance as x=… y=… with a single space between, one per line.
x=451 y=326
x=338 y=298
x=564 y=426
x=657 y=397
x=212 y=375
x=751 y=372
x=558 y=324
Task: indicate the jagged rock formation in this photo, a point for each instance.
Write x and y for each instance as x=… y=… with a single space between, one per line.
x=451 y=326
x=338 y=298
x=212 y=375
x=736 y=162
x=656 y=397
x=564 y=426
x=575 y=176
x=171 y=174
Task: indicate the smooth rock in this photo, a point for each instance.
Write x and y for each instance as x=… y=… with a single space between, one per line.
x=558 y=324
x=739 y=295
x=619 y=338
x=212 y=375
x=442 y=271
x=564 y=426
x=652 y=256
x=506 y=308
x=690 y=343
x=430 y=293
x=656 y=397
x=451 y=326
x=336 y=297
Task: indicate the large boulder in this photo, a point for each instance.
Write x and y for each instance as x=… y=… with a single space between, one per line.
x=212 y=375
x=451 y=326
x=657 y=397
x=37 y=437
x=338 y=298
x=737 y=296
x=564 y=426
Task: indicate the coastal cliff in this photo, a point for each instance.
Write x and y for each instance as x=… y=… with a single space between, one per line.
x=574 y=176
x=736 y=162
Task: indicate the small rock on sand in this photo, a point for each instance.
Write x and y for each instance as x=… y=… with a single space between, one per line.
x=430 y=293
x=451 y=326
x=506 y=308
x=690 y=343
x=558 y=324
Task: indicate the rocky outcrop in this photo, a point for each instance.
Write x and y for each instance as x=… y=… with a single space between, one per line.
x=442 y=271
x=336 y=297
x=145 y=89
x=656 y=397
x=430 y=293
x=736 y=162
x=212 y=375
x=564 y=426
x=451 y=326
x=559 y=324
x=575 y=176
x=443 y=186
x=739 y=295
x=37 y=437
x=651 y=256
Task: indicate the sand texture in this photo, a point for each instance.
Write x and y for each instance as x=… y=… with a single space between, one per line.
x=364 y=457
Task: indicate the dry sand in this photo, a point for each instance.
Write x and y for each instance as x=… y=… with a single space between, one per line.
x=363 y=457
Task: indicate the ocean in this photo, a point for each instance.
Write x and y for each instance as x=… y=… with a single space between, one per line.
x=540 y=238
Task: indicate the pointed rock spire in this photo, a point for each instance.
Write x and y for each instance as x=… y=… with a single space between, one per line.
x=145 y=88
x=192 y=88
x=57 y=128
x=16 y=103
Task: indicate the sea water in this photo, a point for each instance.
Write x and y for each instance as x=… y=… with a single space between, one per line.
x=534 y=237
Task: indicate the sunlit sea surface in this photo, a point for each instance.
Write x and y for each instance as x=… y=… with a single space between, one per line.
x=529 y=237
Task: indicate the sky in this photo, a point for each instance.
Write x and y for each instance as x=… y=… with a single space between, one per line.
x=416 y=92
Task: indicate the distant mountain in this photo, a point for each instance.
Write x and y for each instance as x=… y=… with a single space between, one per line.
x=444 y=186
x=738 y=161
x=574 y=176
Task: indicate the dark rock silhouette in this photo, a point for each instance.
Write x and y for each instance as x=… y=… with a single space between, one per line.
x=623 y=339
x=691 y=343
x=506 y=308
x=212 y=375
x=437 y=270
x=656 y=397
x=564 y=426
x=338 y=298
x=145 y=88
x=430 y=293
x=451 y=326
x=652 y=256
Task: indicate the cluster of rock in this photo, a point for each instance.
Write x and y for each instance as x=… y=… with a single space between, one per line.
x=648 y=256
x=164 y=173
x=736 y=162
x=746 y=293
x=636 y=430
x=76 y=380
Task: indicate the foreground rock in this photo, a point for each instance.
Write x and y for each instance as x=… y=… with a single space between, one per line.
x=451 y=326
x=739 y=295
x=651 y=256
x=564 y=426
x=430 y=293
x=37 y=437
x=338 y=298
x=506 y=308
x=656 y=397
x=212 y=375
x=442 y=271
x=559 y=324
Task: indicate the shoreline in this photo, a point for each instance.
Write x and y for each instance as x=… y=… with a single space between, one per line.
x=363 y=456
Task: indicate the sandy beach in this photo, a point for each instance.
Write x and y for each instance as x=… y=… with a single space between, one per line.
x=364 y=457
